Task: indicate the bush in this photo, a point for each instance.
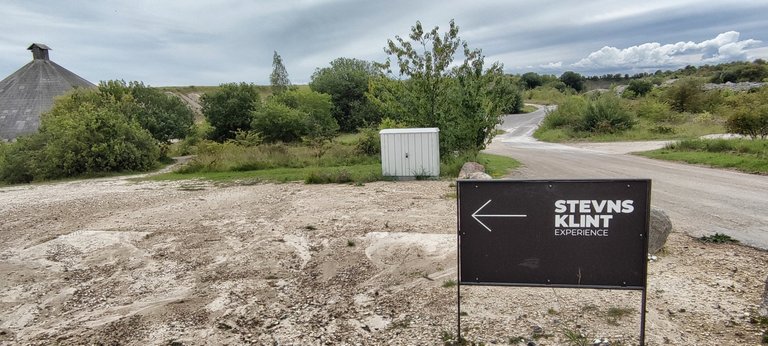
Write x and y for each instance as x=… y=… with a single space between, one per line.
x=640 y=87
x=657 y=111
x=90 y=140
x=229 y=109
x=606 y=115
x=296 y=114
x=749 y=122
x=166 y=117
x=369 y=142
x=278 y=122
x=685 y=95
x=567 y=114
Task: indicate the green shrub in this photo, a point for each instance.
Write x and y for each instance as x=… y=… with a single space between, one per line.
x=87 y=141
x=369 y=142
x=657 y=111
x=606 y=115
x=228 y=109
x=279 y=122
x=752 y=122
x=567 y=114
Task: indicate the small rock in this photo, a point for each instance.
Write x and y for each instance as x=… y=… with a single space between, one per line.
x=469 y=168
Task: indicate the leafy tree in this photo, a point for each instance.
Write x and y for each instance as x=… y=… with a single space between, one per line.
x=279 y=77
x=278 y=122
x=229 y=109
x=294 y=115
x=640 y=87
x=165 y=116
x=317 y=108
x=531 y=80
x=434 y=94
x=346 y=80
x=504 y=95
x=747 y=113
x=573 y=80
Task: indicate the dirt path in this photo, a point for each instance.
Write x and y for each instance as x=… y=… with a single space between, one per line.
x=189 y=263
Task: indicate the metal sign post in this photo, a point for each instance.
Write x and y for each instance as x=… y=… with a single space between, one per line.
x=554 y=233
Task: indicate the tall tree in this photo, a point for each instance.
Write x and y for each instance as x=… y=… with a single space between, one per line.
x=229 y=109
x=435 y=94
x=346 y=80
x=573 y=80
x=279 y=77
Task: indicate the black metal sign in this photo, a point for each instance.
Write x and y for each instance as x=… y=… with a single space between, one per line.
x=559 y=233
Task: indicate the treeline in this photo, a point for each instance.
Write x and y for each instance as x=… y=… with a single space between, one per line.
x=413 y=88
x=129 y=127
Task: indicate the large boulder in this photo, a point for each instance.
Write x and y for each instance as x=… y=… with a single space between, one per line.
x=473 y=170
x=660 y=228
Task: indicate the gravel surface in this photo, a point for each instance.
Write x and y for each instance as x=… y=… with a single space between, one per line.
x=116 y=261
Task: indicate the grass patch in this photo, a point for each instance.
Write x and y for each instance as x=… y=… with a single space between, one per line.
x=644 y=130
x=449 y=283
x=750 y=156
x=718 y=238
x=528 y=109
x=497 y=166
x=358 y=173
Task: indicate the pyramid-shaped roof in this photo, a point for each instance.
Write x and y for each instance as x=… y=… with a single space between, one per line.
x=28 y=92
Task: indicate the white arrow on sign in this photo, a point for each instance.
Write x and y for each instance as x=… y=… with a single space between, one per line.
x=477 y=216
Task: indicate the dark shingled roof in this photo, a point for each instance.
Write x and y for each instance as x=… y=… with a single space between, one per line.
x=28 y=92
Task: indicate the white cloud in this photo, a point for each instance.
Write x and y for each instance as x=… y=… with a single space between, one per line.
x=552 y=65
x=723 y=48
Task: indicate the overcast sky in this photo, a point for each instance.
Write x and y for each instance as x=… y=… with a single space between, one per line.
x=175 y=42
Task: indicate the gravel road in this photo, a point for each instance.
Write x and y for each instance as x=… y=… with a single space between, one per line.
x=700 y=200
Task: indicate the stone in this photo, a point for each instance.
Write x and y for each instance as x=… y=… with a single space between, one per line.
x=660 y=228
x=479 y=176
x=469 y=168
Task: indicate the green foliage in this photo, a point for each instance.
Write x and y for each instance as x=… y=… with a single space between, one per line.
x=718 y=238
x=165 y=116
x=685 y=95
x=79 y=137
x=457 y=100
x=567 y=114
x=279 y=77
x=749 y=122
x=319 y=124
x=531 y=80
x=346 y=80
x=573 y=80
x=329 y=177
x=640 y=87
x=547 y=95
x=229 y=109
x=296 y=114
x=278 y=122
x=605 y=115
x=504 y=95
x=747 y=113
x=746 y=155
x=657 y=111
x=369 y=142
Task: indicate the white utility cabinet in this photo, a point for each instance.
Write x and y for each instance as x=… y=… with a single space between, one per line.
x=410 y=152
